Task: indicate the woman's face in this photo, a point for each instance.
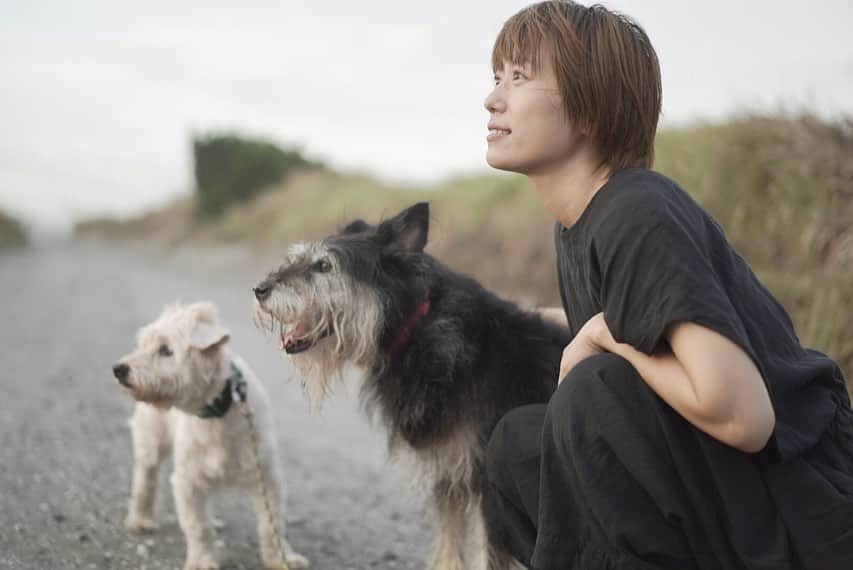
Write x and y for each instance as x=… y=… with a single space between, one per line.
x=528 y=132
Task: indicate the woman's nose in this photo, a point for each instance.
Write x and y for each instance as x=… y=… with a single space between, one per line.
x=494 y=102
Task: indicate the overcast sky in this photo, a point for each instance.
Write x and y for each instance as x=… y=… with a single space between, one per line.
x=98 y=99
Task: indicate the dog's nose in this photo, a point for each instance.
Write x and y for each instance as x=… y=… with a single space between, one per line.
x=120 y=371
x=262 y=291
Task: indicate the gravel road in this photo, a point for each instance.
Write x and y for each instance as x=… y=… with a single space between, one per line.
x=68 y=311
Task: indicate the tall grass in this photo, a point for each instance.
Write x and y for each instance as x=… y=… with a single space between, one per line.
x=783 y=191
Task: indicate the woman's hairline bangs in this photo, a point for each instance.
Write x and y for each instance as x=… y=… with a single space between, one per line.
x=520 y=42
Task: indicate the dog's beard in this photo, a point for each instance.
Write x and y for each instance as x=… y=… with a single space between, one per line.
x=319 y=369
x=328 y=336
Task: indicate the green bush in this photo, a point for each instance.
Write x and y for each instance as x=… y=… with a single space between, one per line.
x=12 y=233
x=231 y=168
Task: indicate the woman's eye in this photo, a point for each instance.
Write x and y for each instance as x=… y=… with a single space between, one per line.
x=516 y=75
x=164 y=350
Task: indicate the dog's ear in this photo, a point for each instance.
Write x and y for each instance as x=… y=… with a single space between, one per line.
x=206 y=336
x=355 y=227
x=407 y=230
x=203 y=311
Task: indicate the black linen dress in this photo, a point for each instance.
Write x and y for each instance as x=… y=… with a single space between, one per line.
x=608 y=476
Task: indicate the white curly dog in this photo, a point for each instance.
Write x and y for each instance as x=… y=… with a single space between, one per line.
x=186 y=381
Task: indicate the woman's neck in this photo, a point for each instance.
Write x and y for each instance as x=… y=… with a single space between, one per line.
x=567 y=188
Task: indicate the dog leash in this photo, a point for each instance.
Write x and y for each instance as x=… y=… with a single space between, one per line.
x=238 y=394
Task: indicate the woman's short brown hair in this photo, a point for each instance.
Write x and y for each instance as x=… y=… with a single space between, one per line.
x=607 y=72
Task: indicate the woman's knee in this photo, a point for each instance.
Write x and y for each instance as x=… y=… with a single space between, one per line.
x=592 y=392
x=593 y=378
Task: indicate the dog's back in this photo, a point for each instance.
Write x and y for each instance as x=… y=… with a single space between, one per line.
x=471 y=359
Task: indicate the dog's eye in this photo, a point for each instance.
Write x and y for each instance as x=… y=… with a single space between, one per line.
x=322 y=266
x=164 y=350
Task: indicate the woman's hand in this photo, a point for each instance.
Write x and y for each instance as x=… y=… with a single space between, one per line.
x=589 y=341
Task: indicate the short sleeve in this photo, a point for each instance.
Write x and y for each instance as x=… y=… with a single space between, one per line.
x=656 y=269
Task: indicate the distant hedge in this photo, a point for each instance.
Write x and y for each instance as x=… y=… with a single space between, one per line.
x=12 y=233
x=230 y=168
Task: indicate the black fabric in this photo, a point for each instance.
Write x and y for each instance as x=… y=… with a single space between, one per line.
x=647 y=255
x=607 y=476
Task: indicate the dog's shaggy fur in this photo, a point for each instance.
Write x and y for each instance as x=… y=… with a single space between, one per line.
x=444 y=358
x=180 y=365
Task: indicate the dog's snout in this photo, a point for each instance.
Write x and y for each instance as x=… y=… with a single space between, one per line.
x=121 y=371
x=262 y=291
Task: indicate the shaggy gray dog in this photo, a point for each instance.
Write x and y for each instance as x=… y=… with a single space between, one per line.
x=443 y=358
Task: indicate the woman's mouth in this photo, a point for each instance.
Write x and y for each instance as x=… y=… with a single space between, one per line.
x=495 y=134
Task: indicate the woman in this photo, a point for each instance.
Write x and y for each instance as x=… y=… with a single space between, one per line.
x=690 y=429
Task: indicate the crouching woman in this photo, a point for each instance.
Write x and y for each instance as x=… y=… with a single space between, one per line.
x=690 y=429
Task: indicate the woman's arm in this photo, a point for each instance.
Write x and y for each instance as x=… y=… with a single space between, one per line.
x=707 y=379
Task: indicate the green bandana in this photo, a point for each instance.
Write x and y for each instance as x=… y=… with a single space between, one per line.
x=235 y=388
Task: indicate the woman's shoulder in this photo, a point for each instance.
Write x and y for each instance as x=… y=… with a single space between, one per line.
x=639 y=197
x=641 y=187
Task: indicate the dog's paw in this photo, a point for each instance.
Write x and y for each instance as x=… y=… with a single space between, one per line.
x=297 y=561
x=139 y=523
x=203 y=562
x=294 y=562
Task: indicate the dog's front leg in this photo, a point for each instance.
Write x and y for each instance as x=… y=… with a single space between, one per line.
x=449 y=550
x=488 y=556
x=149 y=430
x=143 y=494
x=151 y=444
x=190 y=502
